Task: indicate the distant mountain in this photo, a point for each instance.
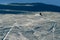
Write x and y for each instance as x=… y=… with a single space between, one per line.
x=32 y=7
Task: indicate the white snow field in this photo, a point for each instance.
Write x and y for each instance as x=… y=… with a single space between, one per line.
x=30 y=26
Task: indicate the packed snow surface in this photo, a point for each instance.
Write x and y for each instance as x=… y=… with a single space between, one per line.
x=30 y=26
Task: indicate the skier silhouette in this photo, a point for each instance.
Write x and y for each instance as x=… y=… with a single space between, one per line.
x=41 y=14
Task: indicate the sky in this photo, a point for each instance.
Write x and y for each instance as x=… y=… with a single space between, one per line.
x=53 y=2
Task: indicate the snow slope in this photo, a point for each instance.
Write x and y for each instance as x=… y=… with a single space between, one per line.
x=30 y=27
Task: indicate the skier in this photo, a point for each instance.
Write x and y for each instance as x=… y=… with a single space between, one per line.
x=41 y=14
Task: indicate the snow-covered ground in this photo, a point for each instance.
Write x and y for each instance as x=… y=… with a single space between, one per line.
x=30 y=26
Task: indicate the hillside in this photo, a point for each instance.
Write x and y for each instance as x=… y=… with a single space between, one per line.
x=15 y=8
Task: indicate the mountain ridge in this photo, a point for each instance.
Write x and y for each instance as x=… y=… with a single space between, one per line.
x=32 y=7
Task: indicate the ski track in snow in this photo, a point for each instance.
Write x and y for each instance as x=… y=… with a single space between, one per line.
x=30 y=27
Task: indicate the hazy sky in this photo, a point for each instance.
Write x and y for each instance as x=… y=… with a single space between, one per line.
x=53 y=2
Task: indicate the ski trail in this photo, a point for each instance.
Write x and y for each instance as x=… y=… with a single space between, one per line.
x=10 y=31
x=54 y=30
